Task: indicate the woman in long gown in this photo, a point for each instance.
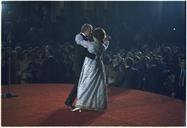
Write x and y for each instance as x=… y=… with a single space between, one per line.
x=92 y=89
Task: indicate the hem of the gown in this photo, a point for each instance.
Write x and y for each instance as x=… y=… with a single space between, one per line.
x=88 y=108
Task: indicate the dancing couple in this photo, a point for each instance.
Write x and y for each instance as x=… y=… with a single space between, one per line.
x=90 y=87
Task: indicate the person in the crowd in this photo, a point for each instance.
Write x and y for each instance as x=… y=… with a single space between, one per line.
x=50 y=68
x=180 y=81
x=153 y=77
x=25 y=76
x=128 y=77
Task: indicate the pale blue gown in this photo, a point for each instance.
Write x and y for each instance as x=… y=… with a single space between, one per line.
x=92 y=88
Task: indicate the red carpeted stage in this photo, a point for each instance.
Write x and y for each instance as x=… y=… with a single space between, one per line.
x=43 y=105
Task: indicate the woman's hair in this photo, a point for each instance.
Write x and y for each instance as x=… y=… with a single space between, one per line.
x=99 y=34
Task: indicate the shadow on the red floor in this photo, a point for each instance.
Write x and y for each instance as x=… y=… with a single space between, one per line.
x=64 y=117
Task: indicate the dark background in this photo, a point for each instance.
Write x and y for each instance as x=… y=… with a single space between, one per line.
x=129 y=23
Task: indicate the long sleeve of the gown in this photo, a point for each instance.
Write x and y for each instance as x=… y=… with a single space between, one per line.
x=86 y=44
x=80 y=41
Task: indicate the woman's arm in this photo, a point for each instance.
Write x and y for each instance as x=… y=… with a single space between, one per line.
x=80 y=41
x=86 y=44
x=106 y=42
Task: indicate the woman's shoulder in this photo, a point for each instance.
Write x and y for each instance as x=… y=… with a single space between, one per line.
x=97 y=44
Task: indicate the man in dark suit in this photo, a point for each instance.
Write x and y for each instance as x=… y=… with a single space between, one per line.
x=128 y=77
x=154 y=77
x=80 y=54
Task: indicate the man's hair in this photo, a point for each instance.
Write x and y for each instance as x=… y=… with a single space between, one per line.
x=85 y=27
x=99 y=33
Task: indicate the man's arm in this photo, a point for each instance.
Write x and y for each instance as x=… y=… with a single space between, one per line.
x=80 y=41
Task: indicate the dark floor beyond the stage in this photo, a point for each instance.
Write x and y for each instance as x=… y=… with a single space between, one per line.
x=43 y=105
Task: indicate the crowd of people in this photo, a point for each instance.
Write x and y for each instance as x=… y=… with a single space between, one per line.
x=45 y=64
x=157 y=69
